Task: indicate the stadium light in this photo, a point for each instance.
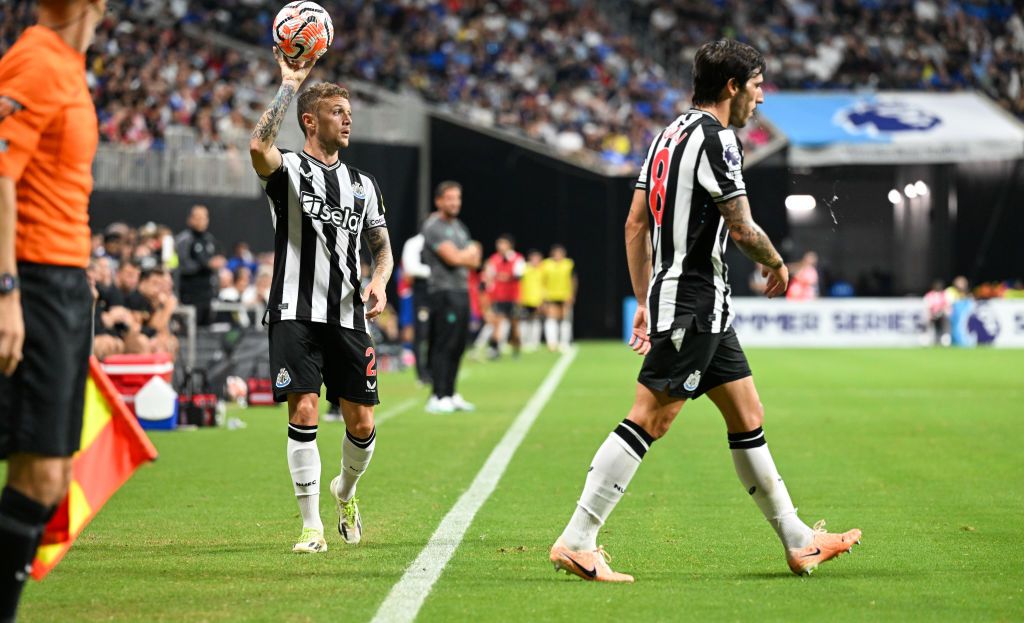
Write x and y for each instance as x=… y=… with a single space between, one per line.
x=910 y=191
x=895 y=197
x=921 y=188
x=800 y=203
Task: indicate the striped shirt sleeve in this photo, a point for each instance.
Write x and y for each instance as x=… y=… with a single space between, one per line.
x=720 y=170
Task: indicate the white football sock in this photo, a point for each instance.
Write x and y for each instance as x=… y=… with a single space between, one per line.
x=503 y=332
x=534 y=332
x=611 y=470
x=551 y=332
x=304 y=464
x=566 y=333
x=485 y=334
x=355 y=458
x=756 y=470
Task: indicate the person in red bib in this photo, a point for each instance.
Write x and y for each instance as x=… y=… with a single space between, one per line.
x=502 y=272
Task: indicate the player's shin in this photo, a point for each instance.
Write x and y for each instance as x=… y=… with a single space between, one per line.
x=757 y=473
x=611 y=470
x=356 y=453
x=304 y=464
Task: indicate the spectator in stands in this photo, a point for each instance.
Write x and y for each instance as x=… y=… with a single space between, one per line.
x=126 y=281
x=242 y=256
x=259 y=293
x=198 y=263
x=157 y=305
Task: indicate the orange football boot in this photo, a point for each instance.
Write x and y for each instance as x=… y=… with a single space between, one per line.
x=591 y=566
x=824 y=547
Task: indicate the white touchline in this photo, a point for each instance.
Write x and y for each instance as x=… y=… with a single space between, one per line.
x=398 y=409
x=406 y=598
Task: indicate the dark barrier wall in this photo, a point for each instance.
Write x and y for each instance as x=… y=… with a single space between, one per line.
x=543 y=200
x=989 y=221
x=232 y=219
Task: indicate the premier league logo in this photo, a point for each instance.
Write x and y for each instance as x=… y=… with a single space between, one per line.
x=874 y=118
x=732 y=156
x=983 y=325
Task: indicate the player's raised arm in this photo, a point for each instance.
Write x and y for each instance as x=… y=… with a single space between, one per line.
x=754 y=243
x=266 y=157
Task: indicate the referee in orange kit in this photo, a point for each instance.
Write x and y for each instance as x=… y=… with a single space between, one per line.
x=48 y=137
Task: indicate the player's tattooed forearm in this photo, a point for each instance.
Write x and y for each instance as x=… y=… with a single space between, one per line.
x=747 y=234
x=380 y=247
x=270 y=123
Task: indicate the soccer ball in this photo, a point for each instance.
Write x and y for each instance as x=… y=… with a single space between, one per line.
x=303 y=31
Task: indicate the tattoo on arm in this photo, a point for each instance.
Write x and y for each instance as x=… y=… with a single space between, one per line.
x=270 y=123
x=747 y=234
x=380 y=247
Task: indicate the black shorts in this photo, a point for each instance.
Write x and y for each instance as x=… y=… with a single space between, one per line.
x=505 y=308
x=701 y=362
x=305 y=355
x=41 y=405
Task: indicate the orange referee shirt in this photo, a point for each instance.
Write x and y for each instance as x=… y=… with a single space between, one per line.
x=48 y=137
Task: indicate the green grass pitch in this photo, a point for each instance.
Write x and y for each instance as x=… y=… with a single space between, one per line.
x=922 y=449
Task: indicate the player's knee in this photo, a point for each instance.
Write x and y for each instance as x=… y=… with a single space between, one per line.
x=361 y=428
x=304 y=411
x=753 y=416
x=48 y=483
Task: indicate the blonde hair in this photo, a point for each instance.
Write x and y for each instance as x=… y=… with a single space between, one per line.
x=309 y=100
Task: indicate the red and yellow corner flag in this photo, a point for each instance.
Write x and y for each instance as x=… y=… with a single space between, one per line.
x=113 y=446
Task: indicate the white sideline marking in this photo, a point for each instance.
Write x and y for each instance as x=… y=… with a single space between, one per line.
x=398 y=409
x=406 y=598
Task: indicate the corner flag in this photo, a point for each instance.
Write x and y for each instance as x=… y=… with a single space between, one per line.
x=113 y=446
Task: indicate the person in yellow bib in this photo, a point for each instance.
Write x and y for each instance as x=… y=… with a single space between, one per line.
x=559 y=293
x=531 y=300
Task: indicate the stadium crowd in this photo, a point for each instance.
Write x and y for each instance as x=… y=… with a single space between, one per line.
x=147 y=75
x=940 y=45
x=569 y=73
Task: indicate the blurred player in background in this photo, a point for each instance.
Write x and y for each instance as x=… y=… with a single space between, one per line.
x=559 y=294
x=451 y=254
x=321 y=207
x=689 y=198
x=502 y=272
x=531 y=301
x=417 y=273
x=48 y=137
x=804 y=285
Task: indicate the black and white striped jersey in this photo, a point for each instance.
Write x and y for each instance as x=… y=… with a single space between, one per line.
x=319 y=213
x=693 y=164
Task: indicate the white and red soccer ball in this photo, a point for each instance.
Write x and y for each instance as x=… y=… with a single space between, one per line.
x=303 y=31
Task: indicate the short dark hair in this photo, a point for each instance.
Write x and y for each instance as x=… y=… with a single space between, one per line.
x=509 y=238
x=309 y=100
x=717 y=62
x=444 y=187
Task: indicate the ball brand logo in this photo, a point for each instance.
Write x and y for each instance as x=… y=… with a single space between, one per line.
x=874 y=118
x=315 y=207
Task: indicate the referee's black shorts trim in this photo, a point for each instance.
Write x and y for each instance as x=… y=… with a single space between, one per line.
x=701 y=362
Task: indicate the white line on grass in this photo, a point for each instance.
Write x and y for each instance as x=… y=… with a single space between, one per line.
x=396 y=410
x=406 y=598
